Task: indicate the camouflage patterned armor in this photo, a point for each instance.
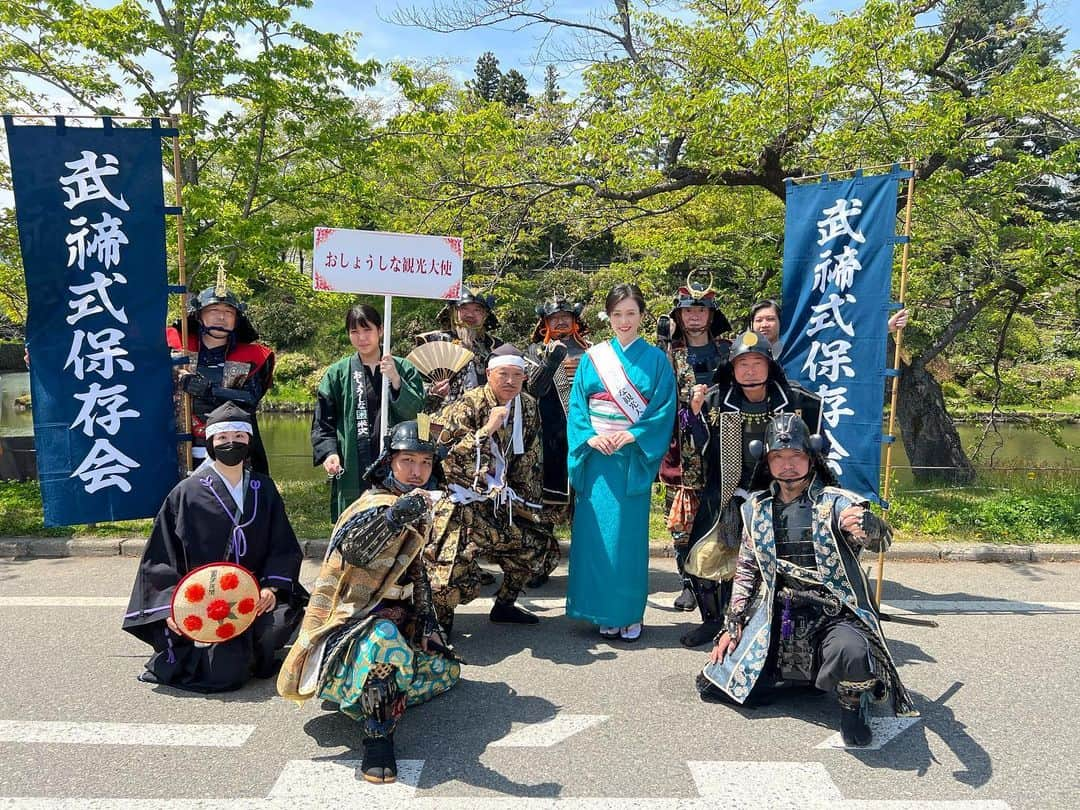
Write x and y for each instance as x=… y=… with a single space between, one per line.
x=505 y=527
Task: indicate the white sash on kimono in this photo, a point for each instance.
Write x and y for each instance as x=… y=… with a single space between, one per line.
x=628 y=399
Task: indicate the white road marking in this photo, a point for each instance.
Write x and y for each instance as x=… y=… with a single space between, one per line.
x=770 y=784
x=885 y=729
x=63 y=601
x=341 y=779
x=975 y=606
x=202 y=736
x=373 y=801
x=662 y=599
x=547 y=733
x=318 y=784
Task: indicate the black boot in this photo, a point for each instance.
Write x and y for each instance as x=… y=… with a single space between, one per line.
x=509 y=613
x=853 y=726
x=379 y=765
x=702 y=634
x=710 y=692
x=686 y=600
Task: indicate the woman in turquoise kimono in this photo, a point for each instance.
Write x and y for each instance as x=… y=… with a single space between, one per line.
x=622 y=408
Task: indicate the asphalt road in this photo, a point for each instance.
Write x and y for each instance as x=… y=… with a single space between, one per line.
x=551 y=715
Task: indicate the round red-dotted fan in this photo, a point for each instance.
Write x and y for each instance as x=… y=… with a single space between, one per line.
x=215 y=602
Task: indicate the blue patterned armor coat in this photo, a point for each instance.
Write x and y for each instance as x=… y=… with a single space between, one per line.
x=837 y=560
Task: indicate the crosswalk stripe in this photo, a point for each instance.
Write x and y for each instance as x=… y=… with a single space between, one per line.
x=341 y=778
x=975 y=606
x=201 y=736
x=885 y=729
x=317 y=784
x=548 y=732
x=372 y=801
x=659 y=599
x=63 y=601
x=771 y=784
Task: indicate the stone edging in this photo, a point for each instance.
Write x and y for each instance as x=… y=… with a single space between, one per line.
x=53 y=547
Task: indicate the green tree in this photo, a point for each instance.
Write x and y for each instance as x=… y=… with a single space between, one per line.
x=513 y=89
x=270 y=130
x=488 y=77
x=696 y=117
x=552 y=93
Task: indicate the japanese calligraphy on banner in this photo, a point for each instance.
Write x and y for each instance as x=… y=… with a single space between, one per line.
x=387 y=263
x=90 y=209
x=838 y=255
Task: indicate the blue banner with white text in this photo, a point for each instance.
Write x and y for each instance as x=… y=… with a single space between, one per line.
x=838 y=257
x=89 y=202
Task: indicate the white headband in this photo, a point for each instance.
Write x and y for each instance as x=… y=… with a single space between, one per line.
x=221 y=427
x=498 y=361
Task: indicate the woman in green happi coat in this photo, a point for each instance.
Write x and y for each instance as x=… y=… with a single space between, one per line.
x=347 y=423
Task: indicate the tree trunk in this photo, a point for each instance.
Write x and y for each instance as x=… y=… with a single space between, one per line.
x=930 y=438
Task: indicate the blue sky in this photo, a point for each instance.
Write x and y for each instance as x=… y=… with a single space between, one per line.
x=385 y=41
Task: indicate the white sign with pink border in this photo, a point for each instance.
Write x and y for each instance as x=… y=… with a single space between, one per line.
x=376 y=262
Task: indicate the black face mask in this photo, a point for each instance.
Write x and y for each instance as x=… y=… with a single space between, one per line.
x=231 y=453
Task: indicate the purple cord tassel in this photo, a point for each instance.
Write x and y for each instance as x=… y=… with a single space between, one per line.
x=787 y=626
x=238 y=538
x=686 y=416
x=171 y=657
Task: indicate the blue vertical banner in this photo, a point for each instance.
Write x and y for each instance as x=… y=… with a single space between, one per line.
x=838 y=257
x=90 y=207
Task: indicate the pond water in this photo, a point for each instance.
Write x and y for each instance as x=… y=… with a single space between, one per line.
x=287 y=440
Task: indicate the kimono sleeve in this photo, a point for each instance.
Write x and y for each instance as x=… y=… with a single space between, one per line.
x=410 y=396
x=460 y=421
x=652 y=432
x=579 y=427
x=324 y=422
x=281 y=569
x=162 y=566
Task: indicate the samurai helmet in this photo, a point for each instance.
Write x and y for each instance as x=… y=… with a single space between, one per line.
x=469 y=296
x=751 y=342
x=558 y=303
x=695 y=294
x=220 y=293
x=414 y=436
x=788 y=431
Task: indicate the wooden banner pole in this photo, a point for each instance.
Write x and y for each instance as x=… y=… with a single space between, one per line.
x=896 y=365
x=384 y=408
x=181 y=266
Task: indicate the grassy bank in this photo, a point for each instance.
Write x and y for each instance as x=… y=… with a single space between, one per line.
x=1044 y=511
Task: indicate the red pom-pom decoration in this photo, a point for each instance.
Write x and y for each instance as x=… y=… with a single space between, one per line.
x=192 y=623
x=226 y=630
x=229 y=581
x=245 y=606
x=218 y=610
x=194 y=592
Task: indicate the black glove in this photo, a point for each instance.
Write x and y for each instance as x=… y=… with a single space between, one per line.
x=405 y=511
x=195 y=384
x=554 y=355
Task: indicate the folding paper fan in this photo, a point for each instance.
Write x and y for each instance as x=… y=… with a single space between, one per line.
x=439 y=359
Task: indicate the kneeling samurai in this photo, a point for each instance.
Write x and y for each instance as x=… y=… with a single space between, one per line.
x=370 y=641
x=815 y=621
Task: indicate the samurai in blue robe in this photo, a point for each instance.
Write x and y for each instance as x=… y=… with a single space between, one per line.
x=609 y=549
